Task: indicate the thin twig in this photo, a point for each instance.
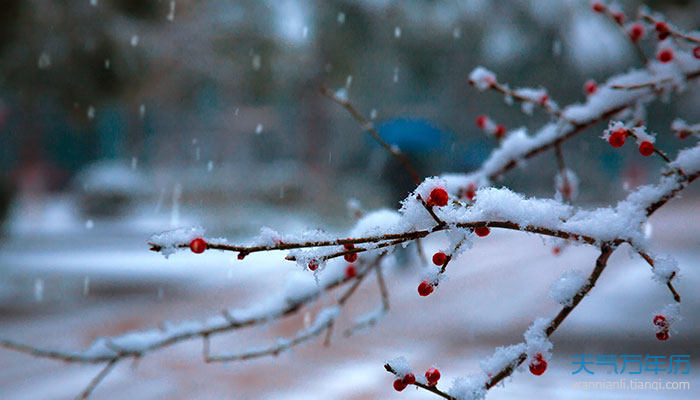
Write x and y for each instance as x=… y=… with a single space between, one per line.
x=562 y=171
x=430 y=211
x=366 y=125
x=600 y=264
x=672 y=31
x=97 y=379
x=650 y=261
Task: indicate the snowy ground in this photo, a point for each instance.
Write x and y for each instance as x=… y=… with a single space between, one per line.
x=64 y=290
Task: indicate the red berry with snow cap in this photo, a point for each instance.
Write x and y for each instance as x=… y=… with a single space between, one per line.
x=538 y=365
x=399 y=385
x=617 y=138
x=425 y=288
x=409 y=379
x=433 y=376
x=646 y=148
x=482 y=231
x=350 y=271
x=439 y=258
x=198 y=245
x=438 y=197
x=665 y=55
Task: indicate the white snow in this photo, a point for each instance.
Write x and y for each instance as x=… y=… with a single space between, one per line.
x=565 y=288
x=482 y=78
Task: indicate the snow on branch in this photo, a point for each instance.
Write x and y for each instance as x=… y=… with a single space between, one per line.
x=463 y=207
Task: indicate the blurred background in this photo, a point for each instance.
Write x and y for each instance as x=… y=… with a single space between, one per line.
x=122 y=118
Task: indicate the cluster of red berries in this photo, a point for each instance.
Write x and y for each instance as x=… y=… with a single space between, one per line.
x=538 y=365
x=198 y=245
x=599 y=7
x=432 y=375
x=485 y=123
x=425 y=287
x=662 y=323
x=662 y=30
x=617 y=139
x=438 y=197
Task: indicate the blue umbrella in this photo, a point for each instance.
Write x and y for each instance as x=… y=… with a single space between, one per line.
x=413 y=135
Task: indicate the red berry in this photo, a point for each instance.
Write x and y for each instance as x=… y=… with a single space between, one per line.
x=556 y=251
x=433 y=376
x=500 y=131
x=663 y=335
x=350 y=257
x=481 y=121
x=198 y=245
x=544 y=99
x=590 y=87
x=482 y=231
x=696 y=52
x=471 y=191
x=660 y=320
x=438 y=197
x=399 y=385
x=662 y=30
x=425 y=288
x=313 y=265
x=241 y=255
x=598 y=7
x=636 y=31
x=409 y=379
x=439 y=258
x=349 y=246
x=538 y=365
x=350 y=271
x=661 y=26
x=665 y=55
x=617 y=138
x=619 y=17
x=646 y=148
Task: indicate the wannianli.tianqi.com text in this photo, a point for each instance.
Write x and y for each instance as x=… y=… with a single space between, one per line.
x=632 y=384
